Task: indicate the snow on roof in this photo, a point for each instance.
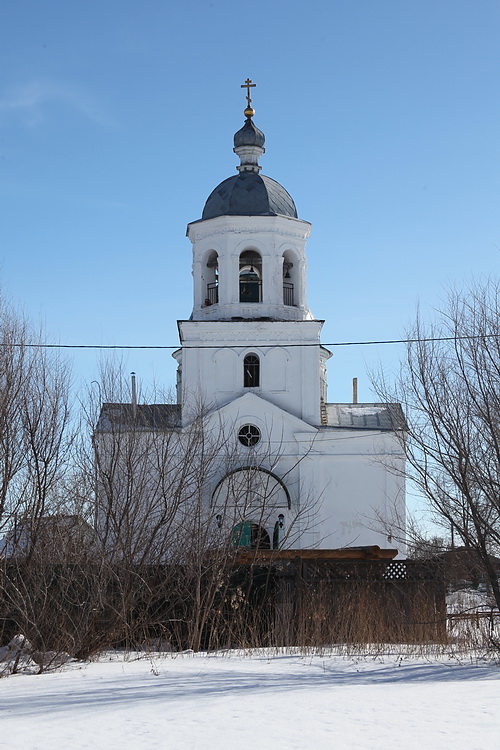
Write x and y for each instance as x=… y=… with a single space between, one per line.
x=365 y=416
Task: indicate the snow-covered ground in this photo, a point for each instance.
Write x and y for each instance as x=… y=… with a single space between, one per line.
x=473 y=618
x=234 y=700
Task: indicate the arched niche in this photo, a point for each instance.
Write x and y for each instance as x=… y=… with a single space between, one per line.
x=250 y=276
x=277 y=370
x=225 y=369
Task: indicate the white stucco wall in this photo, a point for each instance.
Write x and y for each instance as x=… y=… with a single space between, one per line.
x=289 y=353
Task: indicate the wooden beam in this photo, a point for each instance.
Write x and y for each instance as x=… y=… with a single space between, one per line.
x=265 y=556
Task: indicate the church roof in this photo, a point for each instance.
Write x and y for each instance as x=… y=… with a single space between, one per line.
x=388 y=417
x=366 y=416
x=145 y=416
x=249 y=194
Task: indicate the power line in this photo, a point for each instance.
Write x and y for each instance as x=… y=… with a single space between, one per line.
x=42 y=345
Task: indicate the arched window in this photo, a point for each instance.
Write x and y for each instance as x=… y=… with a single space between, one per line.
x=251 y=371
x=250 y=276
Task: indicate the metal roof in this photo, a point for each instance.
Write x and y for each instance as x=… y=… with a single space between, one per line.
x=145 y=416
x=249 y=194
x=366 y=416
x=388 y=417
x=249 y=135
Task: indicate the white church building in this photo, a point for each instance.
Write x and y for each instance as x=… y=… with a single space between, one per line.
x=303 y=473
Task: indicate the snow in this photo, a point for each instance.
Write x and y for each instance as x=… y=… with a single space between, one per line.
x=288 y=700
x=468 y=600
x=362 y=411
x=472 y=617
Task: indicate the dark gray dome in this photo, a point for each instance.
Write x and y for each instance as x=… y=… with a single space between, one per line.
x=249 y=135
x=249 y=194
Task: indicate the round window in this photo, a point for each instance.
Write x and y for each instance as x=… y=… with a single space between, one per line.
x=249 y=435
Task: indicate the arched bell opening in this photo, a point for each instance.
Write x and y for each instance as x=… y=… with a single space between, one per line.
x=212 y=279
x=290 y=279
x=250 y=276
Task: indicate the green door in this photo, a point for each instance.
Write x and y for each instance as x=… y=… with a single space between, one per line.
x=242 y=535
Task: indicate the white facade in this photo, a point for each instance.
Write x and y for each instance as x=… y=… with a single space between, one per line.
x=342 y=486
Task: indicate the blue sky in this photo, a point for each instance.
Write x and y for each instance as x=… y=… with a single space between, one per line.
x=382 y=119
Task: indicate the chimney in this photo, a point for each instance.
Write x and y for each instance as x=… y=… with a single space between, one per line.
x=134 y=395
x=354 y=390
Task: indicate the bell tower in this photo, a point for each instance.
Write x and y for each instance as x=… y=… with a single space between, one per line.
x=249 y=246
x=249 y=296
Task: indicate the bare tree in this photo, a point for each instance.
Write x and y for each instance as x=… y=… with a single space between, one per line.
x=36 y=438
x=449 y=384
x=170 y=506
x=423 y=548
x=35 y=428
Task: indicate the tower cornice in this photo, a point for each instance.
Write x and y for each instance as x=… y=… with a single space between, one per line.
x=203 y=228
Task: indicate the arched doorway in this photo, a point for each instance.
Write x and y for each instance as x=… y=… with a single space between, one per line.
x=248 y=503
x=250 y=536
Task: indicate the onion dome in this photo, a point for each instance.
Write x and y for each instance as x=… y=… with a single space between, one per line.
x=249 y=135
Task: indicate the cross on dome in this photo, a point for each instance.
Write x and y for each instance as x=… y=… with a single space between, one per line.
x=249 y=110
x=249 y=193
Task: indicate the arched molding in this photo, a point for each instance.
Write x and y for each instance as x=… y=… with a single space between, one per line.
x=291 y=255
x=290 y=247
x=205 y=258
x=204 y=248
x=240 y=487
x=249 y=254
x=252 y=350
x=251 y=244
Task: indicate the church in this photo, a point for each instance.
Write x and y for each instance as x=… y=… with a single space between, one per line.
x=294 y=471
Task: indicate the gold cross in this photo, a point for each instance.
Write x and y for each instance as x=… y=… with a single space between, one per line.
x=248 y=85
